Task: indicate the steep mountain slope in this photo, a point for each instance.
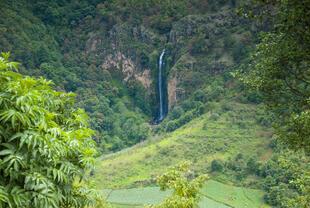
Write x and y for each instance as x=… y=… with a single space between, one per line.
x=218 y=134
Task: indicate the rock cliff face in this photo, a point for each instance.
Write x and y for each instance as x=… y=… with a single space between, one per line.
x=172 y=92
x=212 y=30
x=129 y=69
x=120 y=62
x=134 y=50
x=121 y=49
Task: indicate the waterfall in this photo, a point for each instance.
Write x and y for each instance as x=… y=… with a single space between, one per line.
x=160 y=87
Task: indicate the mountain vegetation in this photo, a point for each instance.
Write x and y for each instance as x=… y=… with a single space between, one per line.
x=106 y=52
x=55 y=47
x=235 y=90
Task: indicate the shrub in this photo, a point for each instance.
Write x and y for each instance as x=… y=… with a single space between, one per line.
x=253 y=165
x=163 y=25
x=176 y=113
x=209 y=106
x=241 y=174
x=198 y=46
x=214 y=116
x=171 y=125
x=226 y=106
x=205 y=126
x=239 y=156
x=200 y=110
x=199 y=95
x=228 y=41
x=213 y=92
x=144 y=60
x=241 y=124
x=158 y=129
x=239 y=51
x=185 y=118
x=188 y=105
x=217 y=165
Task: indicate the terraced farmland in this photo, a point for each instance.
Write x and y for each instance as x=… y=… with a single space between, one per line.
x=233 y=196
x=216 y=195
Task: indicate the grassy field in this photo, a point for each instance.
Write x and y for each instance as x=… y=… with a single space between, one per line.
x=137 y=196
x=233 y=196
x=204 y=203
x=216 y=195
x=209 y=203
x=200 y=141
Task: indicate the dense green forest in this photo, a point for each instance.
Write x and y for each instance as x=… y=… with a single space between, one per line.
x=56 y=50
x=68 y=41
x=236 y=88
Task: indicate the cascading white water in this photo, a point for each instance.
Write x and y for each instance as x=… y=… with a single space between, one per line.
x=160 y=86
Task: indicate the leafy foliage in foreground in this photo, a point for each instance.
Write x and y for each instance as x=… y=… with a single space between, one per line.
x=185 y=193
x=45 y=144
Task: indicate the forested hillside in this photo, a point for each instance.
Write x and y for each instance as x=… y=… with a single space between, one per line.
x=222 y=63
x=107 y=52
x=55 y=43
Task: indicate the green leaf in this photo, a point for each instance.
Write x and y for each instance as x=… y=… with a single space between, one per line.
x=17 y=135
x=6 y=152
x=4 y=197
x=38 y=127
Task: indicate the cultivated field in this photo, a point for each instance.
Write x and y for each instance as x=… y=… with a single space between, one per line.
x=216 y=195
x=233 y=196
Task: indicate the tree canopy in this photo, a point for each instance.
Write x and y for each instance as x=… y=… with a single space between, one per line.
x=280 y=71
x=45 y=144
x=280 y=67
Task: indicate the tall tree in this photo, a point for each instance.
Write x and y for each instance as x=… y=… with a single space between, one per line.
x=280 y=71
x=280 y=67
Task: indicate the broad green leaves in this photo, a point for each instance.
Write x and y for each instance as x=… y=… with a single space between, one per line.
x=45 y=144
